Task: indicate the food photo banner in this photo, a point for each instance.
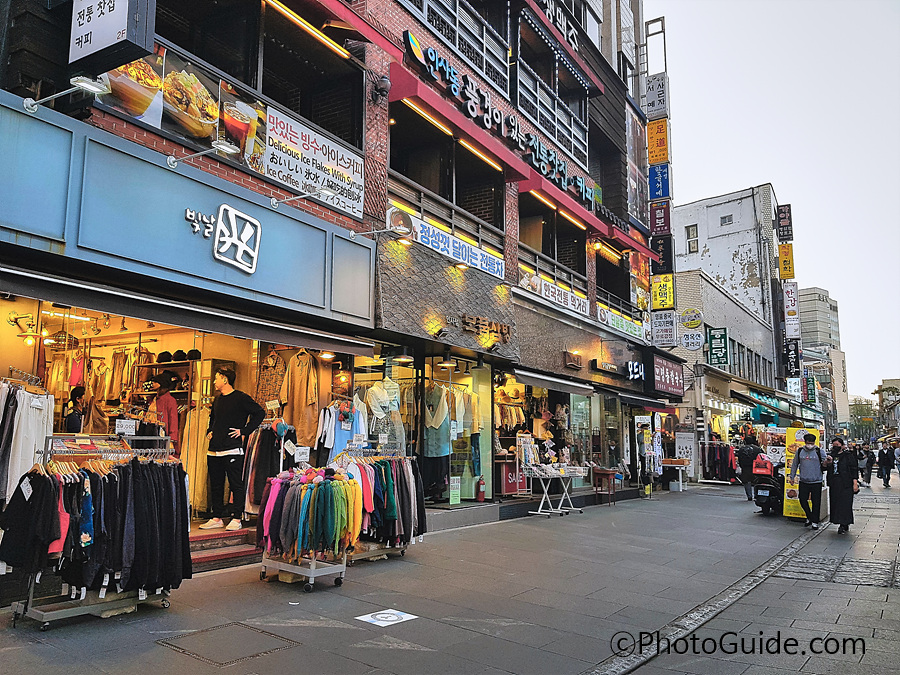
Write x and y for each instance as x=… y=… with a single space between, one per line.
x=168 y=92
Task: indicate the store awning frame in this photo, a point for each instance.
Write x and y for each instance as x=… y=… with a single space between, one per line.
x=103 y=298
x=549 y=382
x=647 y=403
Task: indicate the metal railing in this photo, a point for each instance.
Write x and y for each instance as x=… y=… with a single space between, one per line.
x=538 y=263
x=437 y=208
x=622 y=306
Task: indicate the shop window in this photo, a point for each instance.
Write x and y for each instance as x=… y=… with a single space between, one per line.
x=476 y=33
x=224 y=34
x=690 y=233
x=545 y=231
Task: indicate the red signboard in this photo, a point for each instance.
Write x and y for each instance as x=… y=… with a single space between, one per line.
x=508 y=484
x=668 y=376
x=660 y=218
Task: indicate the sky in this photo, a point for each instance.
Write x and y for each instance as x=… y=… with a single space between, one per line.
x=803 y=94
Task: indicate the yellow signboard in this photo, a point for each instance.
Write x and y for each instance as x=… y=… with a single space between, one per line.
x=663 y=291
x=658 y=141
x=793 y=439
x=786 y=261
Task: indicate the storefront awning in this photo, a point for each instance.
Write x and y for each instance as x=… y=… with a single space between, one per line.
x=129 y=303
x=749 y=400
x=653 y=404
x=633 y=243
x=555 y=383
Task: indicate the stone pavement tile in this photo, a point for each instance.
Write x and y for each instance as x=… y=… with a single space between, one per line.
x=689 y=592
x=581 y=648
x=882 y=633
x=823 y=666
x=829 y=626
x=722 y=624
x=644 y=618
x=868 y=612
x=396 y=655
x=148 y=658
x=787 y=630
x=822 y=613
x=865 y=622
x=723 y=580
x=516 y=658
x=870 y=604
x=741 y=611
x=580 y=605
x=779 y=581
x=520 y=632
x=877 y=660
x=504 y=587
x=767 y=670
x=847 y=591
x=806 y=583
x=701 y=665
x=784 y=612
x=805 y=594
x=36 y=657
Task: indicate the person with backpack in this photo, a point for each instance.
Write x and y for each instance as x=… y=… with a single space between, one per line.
x=809 y=462
x=885 y=464
x=748 y=452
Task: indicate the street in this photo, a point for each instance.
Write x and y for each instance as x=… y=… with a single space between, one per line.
x=531 y=595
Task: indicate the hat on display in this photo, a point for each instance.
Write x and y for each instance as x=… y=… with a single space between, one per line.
x=179 y=355
x=164 y=357
x=193 y=355
x=167 y=379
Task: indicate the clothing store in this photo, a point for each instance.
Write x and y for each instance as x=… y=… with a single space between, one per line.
x=105 y=327
x=455 y=326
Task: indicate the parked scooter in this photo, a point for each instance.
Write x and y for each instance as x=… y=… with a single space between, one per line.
x=768 y=485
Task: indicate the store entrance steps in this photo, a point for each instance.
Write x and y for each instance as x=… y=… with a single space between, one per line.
x=218 y=549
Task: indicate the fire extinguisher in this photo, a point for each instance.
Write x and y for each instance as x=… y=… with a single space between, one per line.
x=479 y=487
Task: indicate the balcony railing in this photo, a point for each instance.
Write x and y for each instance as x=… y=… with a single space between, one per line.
x=469 y=34
x=461 y=223
x=541 y=105
x=624 y=307
x=538 y=263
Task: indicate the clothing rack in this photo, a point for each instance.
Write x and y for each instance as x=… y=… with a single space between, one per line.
x=90 y=602
x=24 y=376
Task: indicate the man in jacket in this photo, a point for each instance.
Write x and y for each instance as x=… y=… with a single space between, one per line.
x=808 y=463
x=886 y=463
x=746 y=454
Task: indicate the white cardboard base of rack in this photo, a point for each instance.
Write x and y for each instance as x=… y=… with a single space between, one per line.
x=309 y=569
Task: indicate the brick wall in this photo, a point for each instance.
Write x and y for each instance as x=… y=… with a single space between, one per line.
x=480 y=201
x=333 y=109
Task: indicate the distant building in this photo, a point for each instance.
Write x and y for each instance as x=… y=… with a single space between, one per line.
x=819 y=319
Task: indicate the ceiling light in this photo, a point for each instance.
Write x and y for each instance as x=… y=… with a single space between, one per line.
x=217 y=146
x=428 y=117
x=541 y=198
x=461 y=266
x=480 y=155
x=404 y=356
x=572 y=219
x=309 y=28
x=392 y=121
x=327 y=355
x=406 y=241
x=446 y=362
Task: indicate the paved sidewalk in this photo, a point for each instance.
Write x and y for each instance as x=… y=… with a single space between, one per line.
x=838 y=589
x=526 y=596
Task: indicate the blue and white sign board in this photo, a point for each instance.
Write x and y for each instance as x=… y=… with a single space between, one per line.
x=448 y=245
x=660 y=182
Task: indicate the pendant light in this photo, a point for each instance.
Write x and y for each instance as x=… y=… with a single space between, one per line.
x=446 y=362
x=404 y=356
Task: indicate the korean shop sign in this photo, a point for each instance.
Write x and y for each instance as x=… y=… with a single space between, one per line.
x=664 y=331
x=106 y=34
x=717 y=339
x=658 y=141
x=556 y=12
x=550 y=291
x=477 y=104
x=810 y=391
x=447 y=244
x=482 y=326
x=663 y=291
x=785 y=224
x=786 y=261
x=657 y=104
x=660 y=218
x=662 y=246
x=668 y=376
x=617 y=322
x=792 y=357
x=791 y=295
x=235 y=236
x=660 y=182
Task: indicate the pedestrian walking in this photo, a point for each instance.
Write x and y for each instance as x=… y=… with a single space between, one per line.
x=870 y=463
x=885 y=464
x=809 y=463
x=863 y=459
x=748 y=452
x=843 y=483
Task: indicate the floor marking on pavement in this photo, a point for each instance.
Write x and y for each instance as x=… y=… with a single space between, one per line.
x=277 y=642
x=687 y=623
x=388 y=642
x=386 y=617
x=321 y=622
x=491 y=622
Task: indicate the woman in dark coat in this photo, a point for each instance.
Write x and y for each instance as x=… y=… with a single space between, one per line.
x=843 y=473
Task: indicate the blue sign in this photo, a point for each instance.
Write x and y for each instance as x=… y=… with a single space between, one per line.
x=659 y=182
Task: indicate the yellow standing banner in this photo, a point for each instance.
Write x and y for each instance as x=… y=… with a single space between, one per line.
x=663 y=291
x=793 y=442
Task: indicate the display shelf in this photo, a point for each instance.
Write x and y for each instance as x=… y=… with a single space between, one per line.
x=165 y=364
x=153 y=393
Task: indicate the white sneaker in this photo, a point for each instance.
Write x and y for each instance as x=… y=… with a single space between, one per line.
x=212 y=524
x=235 y=524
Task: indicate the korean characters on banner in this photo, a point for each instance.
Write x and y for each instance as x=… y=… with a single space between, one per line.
x=446 y=244
x=663 y=247
x=107 y=33
x=668 y=376
x=793 y=438
x=660 y=218
x=168 y=92
x=664 y=328
x=795 y=387
x=791 y=310
x=792 y=358
x=785 y=225
x=663 y=291
x=658 y=141
x=660 y=182
x=786 y=261
x=657 y=104
x=717 y=338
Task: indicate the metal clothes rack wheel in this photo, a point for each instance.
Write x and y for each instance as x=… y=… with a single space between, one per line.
x=95 y=603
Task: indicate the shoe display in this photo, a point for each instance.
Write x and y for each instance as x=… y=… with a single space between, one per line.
x=212 y=524
x=235 y=524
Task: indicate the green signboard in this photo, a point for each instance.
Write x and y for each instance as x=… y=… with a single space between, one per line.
x=717 y=339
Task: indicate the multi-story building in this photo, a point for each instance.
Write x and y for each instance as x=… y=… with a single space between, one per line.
x=429 y=197
x=819 y=323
